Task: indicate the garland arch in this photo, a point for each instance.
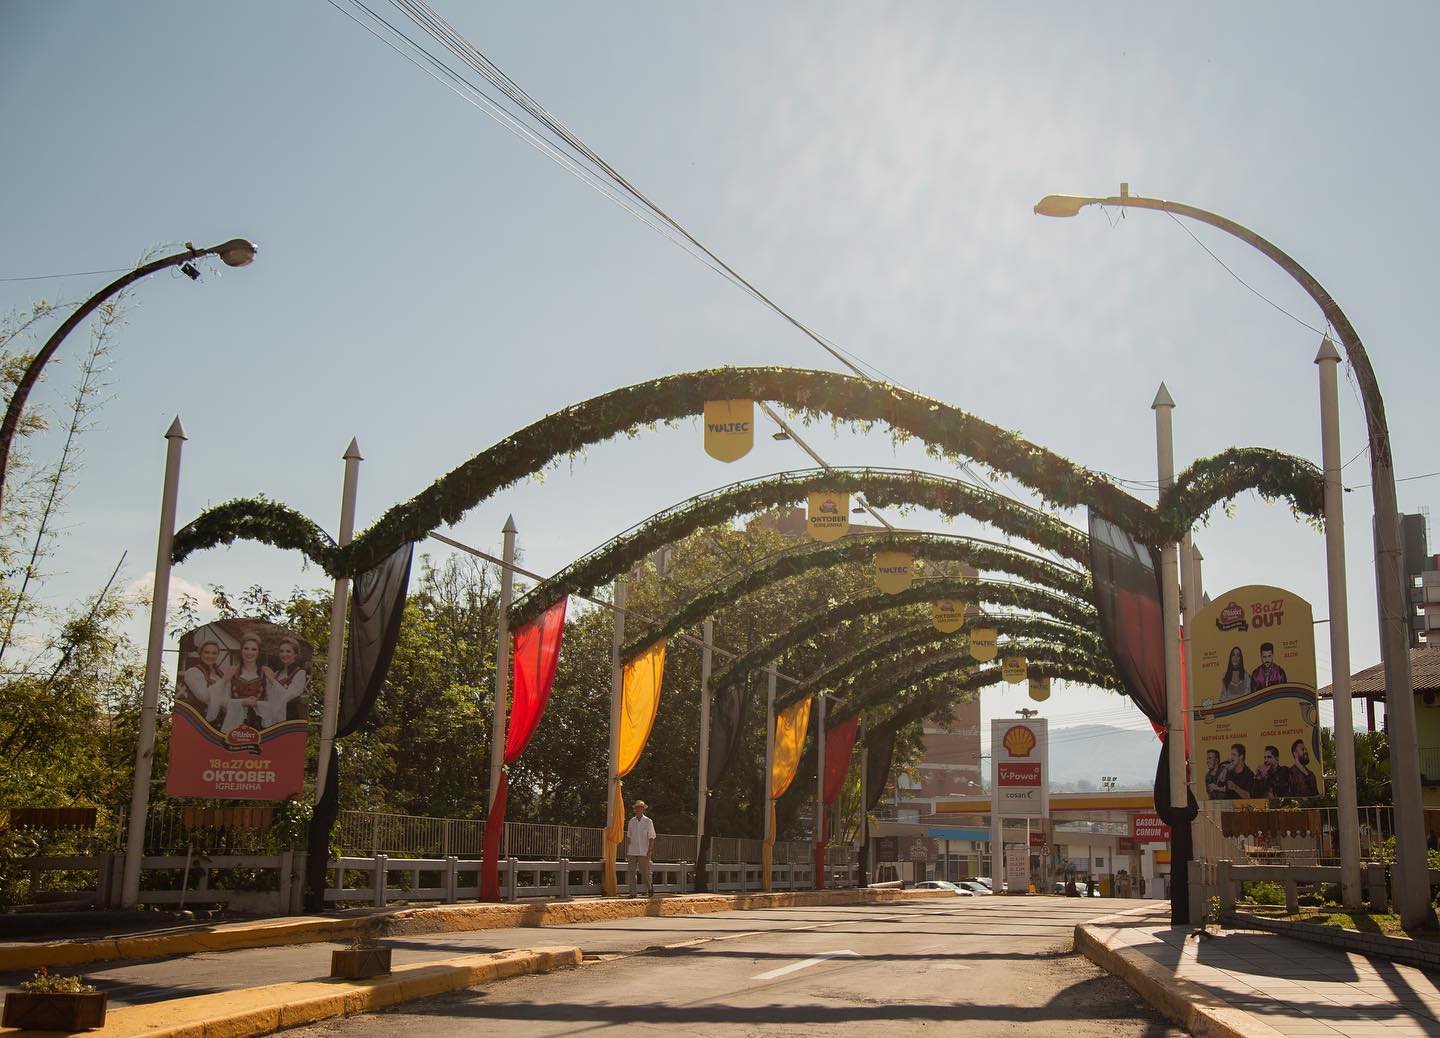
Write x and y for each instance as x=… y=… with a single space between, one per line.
x=803 y=559
x=919 y=636
x=948 y=432
x=882 y=487
x=1020 y=596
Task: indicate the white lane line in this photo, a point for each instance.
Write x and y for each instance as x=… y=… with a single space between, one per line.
x=783 y=970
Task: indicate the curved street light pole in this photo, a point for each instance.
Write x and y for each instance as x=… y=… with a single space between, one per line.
x=237 y=252
x=1412 y=886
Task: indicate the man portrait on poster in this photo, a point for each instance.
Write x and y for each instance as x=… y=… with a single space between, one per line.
x=1298 y=780
x=1269 y=672
x=1240 y=780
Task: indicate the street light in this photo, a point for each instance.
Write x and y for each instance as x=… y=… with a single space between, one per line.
x=237 y=252
x=1412 y=886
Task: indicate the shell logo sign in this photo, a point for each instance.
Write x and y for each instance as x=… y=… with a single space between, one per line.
x=1020 y=768
x=1019 y=741
x=947 y=615
x=984 y=643
x=894 y=571
x=1014 y=669
x=729 y=428
x=827 y=517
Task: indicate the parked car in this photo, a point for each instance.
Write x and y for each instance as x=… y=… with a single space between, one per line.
x=984 y=881
x=975 y=887
x=943 y=884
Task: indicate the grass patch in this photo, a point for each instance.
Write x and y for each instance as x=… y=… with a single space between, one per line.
x=1386 y=923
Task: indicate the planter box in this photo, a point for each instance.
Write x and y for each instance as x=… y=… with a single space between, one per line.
x=40 y=1012
x=355 y=964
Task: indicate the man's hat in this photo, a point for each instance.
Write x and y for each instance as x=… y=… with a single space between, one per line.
x=640 y=803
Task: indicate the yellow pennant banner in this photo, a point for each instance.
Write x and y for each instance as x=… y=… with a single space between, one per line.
x=640 y=698
x=984 y=643
x=1013 y=669
x=614 y=835
x=894 y=571
x=947 y=615
x=1039 y=689
x=729 y=428
x=790 y=729
x=828 y=516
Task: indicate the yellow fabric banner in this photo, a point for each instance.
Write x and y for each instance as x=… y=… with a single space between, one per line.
x=640 y=698
x=611 y=840
x=790 y=729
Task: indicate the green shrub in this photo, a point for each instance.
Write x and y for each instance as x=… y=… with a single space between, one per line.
x=1266 y=892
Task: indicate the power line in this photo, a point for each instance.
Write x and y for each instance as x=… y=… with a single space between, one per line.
x=71 y=274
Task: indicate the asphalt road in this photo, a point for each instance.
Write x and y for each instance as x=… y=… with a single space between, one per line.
x=982 y=966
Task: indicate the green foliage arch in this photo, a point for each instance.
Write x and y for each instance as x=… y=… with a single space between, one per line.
x=948 y=432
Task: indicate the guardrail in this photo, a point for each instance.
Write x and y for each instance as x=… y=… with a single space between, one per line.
x=273 y=884
x=1291 y=878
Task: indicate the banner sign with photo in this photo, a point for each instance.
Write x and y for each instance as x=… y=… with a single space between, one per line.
x=1019 y=775
x=729 y=428
x=828 y=516
x=1256 y=716
x=239 y=724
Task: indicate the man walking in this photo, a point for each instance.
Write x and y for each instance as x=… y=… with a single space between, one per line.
x=640 y=837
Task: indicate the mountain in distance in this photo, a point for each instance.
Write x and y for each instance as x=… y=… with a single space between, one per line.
x=1079 y=755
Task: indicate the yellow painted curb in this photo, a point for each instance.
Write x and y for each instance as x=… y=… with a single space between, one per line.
x=1198 y=1010
x=255 y=1011
x=431 y=919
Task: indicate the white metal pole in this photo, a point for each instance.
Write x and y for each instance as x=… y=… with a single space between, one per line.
x=334 y=654
x=154 y=661
x=706 y=653
x=1328 y=361
x=769 y=743
x=502 y=659
x=617 y=679
x=1164 y=407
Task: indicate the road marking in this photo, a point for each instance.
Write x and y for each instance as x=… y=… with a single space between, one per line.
x=783 y=970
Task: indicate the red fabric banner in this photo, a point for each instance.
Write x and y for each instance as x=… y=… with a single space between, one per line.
x=494 y=829
x=839 y=741
x=822 y=843
x=536 y=651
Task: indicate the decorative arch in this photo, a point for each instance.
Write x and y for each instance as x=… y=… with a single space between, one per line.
x=1018 y=596
x=1023 y=630
x=948 y=432
x=809 y=556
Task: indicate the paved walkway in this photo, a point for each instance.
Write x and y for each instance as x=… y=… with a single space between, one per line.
x=1279 y=984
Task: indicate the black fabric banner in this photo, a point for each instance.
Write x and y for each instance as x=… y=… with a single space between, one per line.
x=1182 y=848
x=1127 y=594
x=727 y=719
x=377 y=606
x=877 y=768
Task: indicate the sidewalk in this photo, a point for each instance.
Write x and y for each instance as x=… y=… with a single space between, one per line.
x=1253 y=983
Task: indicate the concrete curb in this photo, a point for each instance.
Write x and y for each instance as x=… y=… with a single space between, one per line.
x=436 y=919
x=1201 y=1012
x=261 y=1010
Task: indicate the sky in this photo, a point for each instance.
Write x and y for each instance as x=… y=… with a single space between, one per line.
x=428 y=283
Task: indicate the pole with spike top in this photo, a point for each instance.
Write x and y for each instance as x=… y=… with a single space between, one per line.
x=334 y=654
x=1164 y=407
x=154 y=657
x=1328 y=361
x=502 y=658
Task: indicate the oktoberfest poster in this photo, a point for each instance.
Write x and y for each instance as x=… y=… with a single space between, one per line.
x=239 y=724
x=1256 y=715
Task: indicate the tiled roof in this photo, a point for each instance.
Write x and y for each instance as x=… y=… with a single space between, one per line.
x=1370 y=682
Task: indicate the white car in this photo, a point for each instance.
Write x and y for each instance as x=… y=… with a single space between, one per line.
x=942 y=884
x=975 y=887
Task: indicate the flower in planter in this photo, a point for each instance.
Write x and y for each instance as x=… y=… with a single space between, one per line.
x=46 y=983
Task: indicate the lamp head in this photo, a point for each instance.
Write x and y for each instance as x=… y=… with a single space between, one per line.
x=1061 y=205
x=237 y=252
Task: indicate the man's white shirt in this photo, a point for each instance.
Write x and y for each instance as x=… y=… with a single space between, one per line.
x=640 y=831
